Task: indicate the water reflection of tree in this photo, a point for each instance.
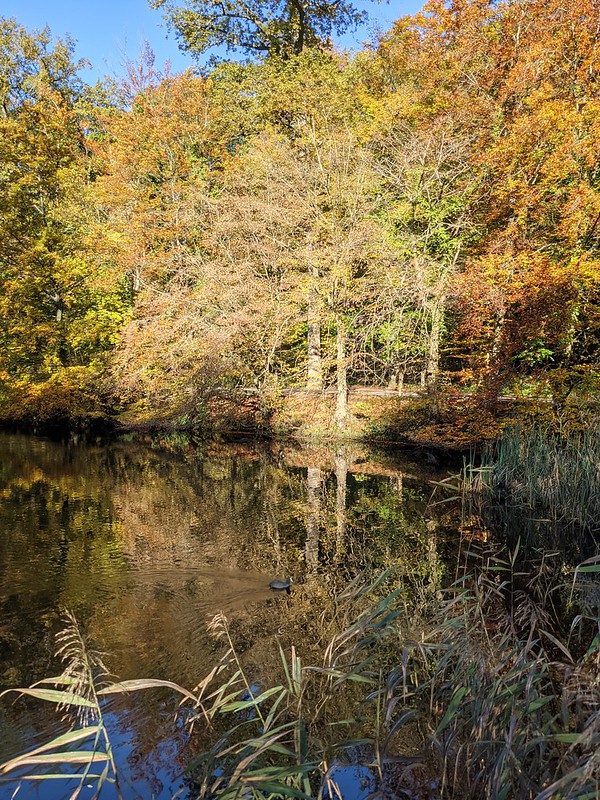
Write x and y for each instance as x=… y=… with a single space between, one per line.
x=313 y=519
x=144 y=544
x=341 y=477
x=371 y=524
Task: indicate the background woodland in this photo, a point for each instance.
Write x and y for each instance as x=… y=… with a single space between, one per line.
x=425 y=212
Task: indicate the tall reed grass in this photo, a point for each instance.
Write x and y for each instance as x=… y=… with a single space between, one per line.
x=548 y=472
x=514 y=696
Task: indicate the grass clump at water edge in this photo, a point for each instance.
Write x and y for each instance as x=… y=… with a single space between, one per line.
x=549 y=473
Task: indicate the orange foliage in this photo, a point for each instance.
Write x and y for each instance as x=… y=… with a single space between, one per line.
x=521 y=78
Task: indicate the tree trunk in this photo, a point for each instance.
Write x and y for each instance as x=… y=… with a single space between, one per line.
x=233 y=479
x=433 y=355
x=396 y=381
x=136 y=280
x=396 y=485
x=315 y=373
x=315 y=369
x=494 y=351
x=270 y=503
x=341 y=402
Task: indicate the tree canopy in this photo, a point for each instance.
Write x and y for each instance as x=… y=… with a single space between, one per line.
x=258 y=27
x=423 y=212
x=30 y=61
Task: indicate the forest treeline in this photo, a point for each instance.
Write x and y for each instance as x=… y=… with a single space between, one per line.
x=425 y=211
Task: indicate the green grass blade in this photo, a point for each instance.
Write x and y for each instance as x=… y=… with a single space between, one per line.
x=451 y=710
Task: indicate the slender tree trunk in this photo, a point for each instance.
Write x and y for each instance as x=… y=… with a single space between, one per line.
x=396 y=381
x=313 y=516
x=315 y=368
x=570 y=341
x=315 y=373
x=270 y=503
x=494 y=351
x=396 y=484
x=341 y=403
x=136 y=280
x=433 y=355
x=233 y=477
x=341 y=477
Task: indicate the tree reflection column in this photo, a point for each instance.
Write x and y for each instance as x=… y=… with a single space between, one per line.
x=313 y=518
x=341 y=477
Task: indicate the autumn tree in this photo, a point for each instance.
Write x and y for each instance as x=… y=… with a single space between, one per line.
x=317 y=239
x=56 y=316
x=518 y=79
x=160 y=153
x=269 y=238
x=429 y=185
x=319 y=244
x=31 y=61
x=156 y=155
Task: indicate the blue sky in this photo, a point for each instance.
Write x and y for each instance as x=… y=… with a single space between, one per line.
x=108 y=31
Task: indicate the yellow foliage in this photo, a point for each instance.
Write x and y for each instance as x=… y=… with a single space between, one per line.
x=70 y=397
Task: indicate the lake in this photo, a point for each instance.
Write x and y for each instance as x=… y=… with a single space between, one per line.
x=145 y=540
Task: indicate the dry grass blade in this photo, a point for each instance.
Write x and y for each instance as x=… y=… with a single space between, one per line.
x=138 y=684
x=60 y=741
x=55 y=696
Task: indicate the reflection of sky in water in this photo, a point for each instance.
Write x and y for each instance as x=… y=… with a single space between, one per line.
x=354 y=782
x=145 y=547
x=161 y=784
x=154 y=774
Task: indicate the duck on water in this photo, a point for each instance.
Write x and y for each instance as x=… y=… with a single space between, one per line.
x=281 y=586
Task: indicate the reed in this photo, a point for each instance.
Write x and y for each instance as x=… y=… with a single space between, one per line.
x=551 y=473
x=513 y=708
x=487 y=688
x=83 y=755
x=86 y=749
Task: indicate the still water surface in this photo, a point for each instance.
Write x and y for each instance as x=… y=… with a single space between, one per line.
x=144 y=543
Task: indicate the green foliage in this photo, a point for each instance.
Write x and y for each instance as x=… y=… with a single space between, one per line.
x=30 y=61
x=57 y=314
x=258 y=27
